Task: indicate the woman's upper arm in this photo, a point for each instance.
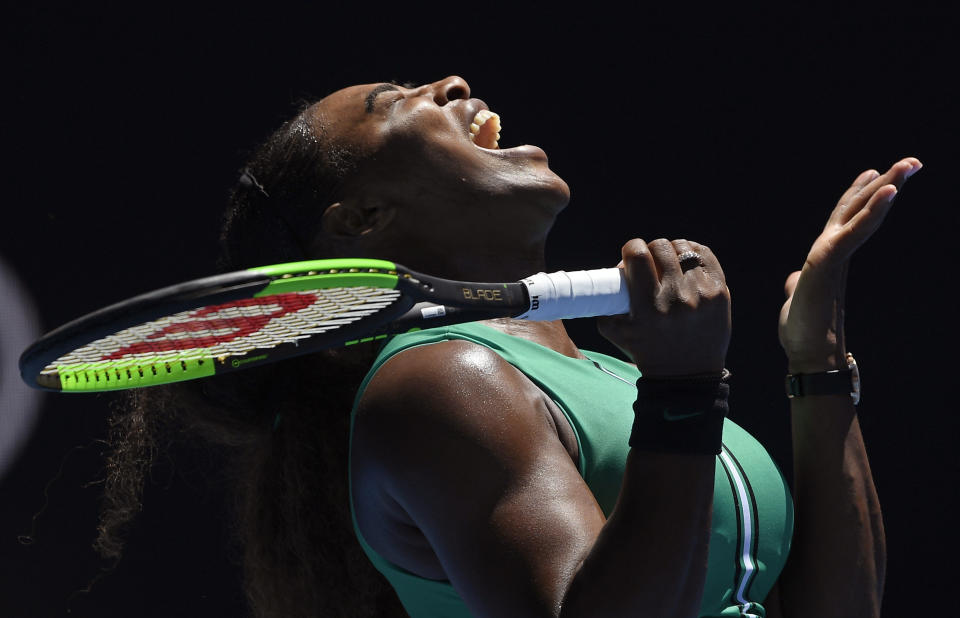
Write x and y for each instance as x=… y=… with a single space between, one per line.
x=460 y=441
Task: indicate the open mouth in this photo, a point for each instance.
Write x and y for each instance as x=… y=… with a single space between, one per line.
x=485 y=129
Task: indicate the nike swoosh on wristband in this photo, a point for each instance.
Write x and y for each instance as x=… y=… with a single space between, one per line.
x=670 y=416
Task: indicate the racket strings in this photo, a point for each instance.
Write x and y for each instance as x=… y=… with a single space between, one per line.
x=230 y=329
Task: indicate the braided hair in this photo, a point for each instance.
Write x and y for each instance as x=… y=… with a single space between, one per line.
x=291 y=512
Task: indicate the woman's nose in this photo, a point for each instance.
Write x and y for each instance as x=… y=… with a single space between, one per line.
x=449 y=89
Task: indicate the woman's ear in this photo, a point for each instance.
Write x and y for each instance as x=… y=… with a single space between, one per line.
x=352 y=218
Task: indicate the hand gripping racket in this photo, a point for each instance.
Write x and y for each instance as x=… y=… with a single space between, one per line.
x=261 y=315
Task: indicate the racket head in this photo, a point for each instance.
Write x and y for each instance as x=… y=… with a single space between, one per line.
x=217 y=324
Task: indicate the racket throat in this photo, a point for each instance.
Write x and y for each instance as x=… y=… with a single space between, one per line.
x=426 y=315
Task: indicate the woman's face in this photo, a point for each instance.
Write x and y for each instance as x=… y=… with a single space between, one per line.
x=415 y=148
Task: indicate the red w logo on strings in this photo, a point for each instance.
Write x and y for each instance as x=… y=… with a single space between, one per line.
x=216 y=330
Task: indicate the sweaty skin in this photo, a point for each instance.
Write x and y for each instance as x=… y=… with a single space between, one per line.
x=424 y=193
x=527 y=538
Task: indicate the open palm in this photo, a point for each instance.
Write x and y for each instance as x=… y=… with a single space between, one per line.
x=811 y=321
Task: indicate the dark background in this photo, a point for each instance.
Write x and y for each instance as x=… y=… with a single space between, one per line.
x=123 y=130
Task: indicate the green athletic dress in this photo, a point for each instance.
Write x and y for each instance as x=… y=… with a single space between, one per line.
x=752 y=510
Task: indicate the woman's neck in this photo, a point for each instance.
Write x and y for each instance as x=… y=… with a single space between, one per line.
x=499 y=264
x=551 y=335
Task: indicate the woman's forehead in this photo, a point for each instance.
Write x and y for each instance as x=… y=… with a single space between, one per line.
x=345 y=116
x=345 y=106
x=346 y=101
x=342 y=116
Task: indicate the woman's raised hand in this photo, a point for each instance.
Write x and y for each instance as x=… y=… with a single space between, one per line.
x=679 y=321
x=811 y=321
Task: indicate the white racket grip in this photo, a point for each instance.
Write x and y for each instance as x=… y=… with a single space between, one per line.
x=578 y=294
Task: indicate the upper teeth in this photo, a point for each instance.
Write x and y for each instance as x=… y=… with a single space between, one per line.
x=485 y=129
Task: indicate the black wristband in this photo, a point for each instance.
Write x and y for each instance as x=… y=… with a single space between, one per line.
x=680 y=415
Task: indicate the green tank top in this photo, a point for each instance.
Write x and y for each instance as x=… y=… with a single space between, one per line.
x=752 y=510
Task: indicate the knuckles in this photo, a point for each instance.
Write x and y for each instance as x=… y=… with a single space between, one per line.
x=671 y=309
x=681 y=294
x=690 y=301
x=638 y=248
x=634 y=250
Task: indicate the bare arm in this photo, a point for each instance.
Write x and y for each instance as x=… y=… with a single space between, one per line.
x=839 y=552
x=459 y=440
x=477 y=467
x=837 y=561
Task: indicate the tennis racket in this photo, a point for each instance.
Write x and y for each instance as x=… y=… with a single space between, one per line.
x=247 y=318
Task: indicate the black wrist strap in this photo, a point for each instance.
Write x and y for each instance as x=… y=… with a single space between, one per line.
x=680 y=415
x=836 y=382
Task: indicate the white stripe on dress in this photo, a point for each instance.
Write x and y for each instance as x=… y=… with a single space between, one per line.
x=746 y=512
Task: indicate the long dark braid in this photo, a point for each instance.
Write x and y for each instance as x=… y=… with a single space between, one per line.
x=292 y=517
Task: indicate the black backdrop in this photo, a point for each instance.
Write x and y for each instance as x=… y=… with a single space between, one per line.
x=123 y=130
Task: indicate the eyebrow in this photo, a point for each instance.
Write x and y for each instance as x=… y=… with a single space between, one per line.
x=373 y=95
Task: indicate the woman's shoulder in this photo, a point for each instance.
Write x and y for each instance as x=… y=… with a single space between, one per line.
x=445 y=378
x=452 y=393
x=445 y=436
x=451 y=408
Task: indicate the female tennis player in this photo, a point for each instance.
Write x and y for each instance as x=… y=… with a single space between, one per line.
x=494 y=469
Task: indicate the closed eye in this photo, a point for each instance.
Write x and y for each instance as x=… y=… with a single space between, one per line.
x=372 y=95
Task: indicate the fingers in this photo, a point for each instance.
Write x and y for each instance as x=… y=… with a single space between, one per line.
x=643 y=280
x=681 y=246
x=698 y=277
x=865 y=221
x=679 y=322
x=902 y=170
x=898 y=173
x=853 y=223
x=651 y=267
x=862 y=180
x=665 y=256
x=869 y=183
x=658 y=261
x=859 y=183
x=711 y=265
